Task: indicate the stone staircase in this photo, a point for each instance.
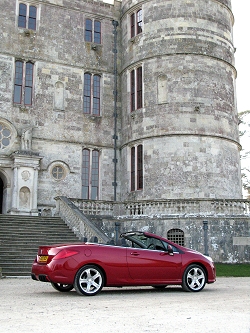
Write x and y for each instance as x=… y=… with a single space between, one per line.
x=20 y=237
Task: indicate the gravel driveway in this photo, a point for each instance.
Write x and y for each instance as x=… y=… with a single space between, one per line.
x=29 y=306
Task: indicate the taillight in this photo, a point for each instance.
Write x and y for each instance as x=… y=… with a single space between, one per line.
x=42 y=259
x=64 y=254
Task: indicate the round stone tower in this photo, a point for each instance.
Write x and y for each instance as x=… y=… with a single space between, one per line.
x=182 y=115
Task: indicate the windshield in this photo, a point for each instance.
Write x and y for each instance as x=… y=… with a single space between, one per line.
x=139 y=240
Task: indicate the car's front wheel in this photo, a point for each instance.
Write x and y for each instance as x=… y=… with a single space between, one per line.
x=89 y=280
x=194 y=278
x=62 y=287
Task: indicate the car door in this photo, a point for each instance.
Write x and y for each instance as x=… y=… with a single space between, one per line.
x=153 y=266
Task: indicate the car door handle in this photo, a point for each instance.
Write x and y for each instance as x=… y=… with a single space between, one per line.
x=134 y=254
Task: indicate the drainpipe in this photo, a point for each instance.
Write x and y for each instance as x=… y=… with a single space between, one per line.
x=115 y=137
x=205 y=228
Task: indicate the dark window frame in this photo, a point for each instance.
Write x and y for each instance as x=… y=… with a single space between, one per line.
x=90 y=174
x=136 y=172
x=136 y=22
x=139 y=167
x=132 y=169
x=92 y=94
x=136 y=89
x=93 y=31
x=139 y=22
x=23 y=83
x=27 y=16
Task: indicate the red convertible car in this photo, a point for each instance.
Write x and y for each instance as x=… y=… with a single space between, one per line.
x=143 y=259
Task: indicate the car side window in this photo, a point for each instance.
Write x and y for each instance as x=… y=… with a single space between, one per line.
x=173 y=247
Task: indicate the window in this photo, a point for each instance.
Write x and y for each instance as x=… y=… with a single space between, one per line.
x=27 y=16
x=176 y=236
x=136 y=23
x=91 y=99
x=93 y=31
x=58 y=173
x=23 y=84
x=137 y=168
x=136 y=88
x=90 y=174
x=5 y=136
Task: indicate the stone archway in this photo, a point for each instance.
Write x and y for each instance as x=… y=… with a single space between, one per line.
x=5 y=195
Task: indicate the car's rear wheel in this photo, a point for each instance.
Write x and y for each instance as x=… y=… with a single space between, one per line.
x=89 y=280
x=194 y=278
x=62 y=287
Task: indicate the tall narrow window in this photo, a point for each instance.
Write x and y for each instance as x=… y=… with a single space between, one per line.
x=87 y=93
x=88 y=30
x=93 y=31
x=90 y=174
x=28 y=84
x=92 y=94
x=85 y=173
x=139 y=87
x=18 y=82
x=97 y=32
x=132 y=25
x=132 y=88
x=32 y=18
x=95 y=175
x=139 y=21
x=27 y=16
x=136 y=89
x=22 y=15
x=136 y=23
x=96 y=95
x=133 y=169
x=23 y=84
x=137 y=168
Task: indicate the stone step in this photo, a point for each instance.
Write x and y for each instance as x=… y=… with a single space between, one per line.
x=20 y=237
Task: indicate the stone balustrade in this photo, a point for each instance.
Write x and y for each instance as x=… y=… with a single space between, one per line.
x=178 y=207
x=75 y=219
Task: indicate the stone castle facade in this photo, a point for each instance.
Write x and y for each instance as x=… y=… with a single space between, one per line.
x=123 y=102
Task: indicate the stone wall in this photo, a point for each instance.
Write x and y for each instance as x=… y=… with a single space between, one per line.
x=228 y=238
x=188 y=124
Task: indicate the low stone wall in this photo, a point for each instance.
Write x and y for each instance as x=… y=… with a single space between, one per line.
x=228 y=237
x=228 y=224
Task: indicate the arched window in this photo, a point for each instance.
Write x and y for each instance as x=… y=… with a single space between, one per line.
x=176 y=236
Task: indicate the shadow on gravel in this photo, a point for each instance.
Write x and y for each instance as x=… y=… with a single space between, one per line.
x=124 y=291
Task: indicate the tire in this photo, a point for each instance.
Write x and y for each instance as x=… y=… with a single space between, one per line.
x=62 y=287
x=194 y=278
x=89 y=280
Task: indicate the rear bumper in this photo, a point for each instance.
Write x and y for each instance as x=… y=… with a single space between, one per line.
x=55 y=271
x=40 y=277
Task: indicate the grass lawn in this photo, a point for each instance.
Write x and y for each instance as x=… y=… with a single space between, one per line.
x=236 y=270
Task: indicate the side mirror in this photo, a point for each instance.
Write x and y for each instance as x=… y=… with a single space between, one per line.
x=170 y=250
